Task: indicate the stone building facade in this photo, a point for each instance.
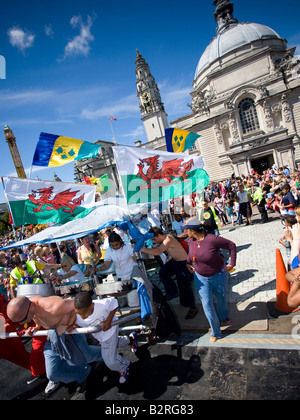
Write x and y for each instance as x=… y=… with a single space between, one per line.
x=244 y=101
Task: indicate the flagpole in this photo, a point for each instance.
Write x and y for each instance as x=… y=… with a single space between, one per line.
x=137 y=254
x=114 y=138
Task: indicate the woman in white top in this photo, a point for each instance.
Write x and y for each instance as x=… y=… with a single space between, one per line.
x=121 y=255
x=245 y=208
x=68 y=273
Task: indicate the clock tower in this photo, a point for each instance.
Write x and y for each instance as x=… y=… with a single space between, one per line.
x=152 y=109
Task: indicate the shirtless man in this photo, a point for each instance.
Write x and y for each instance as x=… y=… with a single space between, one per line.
x=175 y=266
x=56 y=313
x=50 y=312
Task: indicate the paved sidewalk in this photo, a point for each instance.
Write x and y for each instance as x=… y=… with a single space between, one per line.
x=254 y=278
x=255 y=275
x=252 y=286
x=257 y=359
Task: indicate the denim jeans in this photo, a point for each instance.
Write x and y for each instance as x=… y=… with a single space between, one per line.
x=178 y=268
x=291 y=212
x=207 y=286
x=239 y=218
x=59 y=370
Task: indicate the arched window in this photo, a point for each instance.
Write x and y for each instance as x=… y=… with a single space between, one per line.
x=248 y=116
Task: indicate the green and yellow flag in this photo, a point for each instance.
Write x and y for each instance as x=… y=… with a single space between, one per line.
x=52 y=150
x=178 y=141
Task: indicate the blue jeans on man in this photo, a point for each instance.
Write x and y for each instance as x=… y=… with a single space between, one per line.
x=61 y=370
x=184 y=282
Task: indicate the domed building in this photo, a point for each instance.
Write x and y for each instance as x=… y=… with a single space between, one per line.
x=244 y=101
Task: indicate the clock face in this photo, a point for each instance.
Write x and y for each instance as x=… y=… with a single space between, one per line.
x=146 y=97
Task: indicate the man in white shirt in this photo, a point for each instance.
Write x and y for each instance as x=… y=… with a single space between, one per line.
x=94 y=313
x=245 y=208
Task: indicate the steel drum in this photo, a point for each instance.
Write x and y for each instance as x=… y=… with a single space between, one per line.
x=85 y=285
x=111 y=287
x=30 y=290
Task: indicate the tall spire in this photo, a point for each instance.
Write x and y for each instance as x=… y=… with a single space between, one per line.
x=152 y=109
x=139 y=61
x=224 y=14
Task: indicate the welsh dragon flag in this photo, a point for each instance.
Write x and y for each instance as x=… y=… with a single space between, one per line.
x=153 y=175
x=39 y=202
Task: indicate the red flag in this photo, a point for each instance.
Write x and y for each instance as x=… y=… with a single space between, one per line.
x=112 y=119
x=87 y=180
x=10 y=220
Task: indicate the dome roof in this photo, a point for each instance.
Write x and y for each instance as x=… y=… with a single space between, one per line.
x=230 y=39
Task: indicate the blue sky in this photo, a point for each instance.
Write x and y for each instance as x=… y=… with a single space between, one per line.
x=71 y=64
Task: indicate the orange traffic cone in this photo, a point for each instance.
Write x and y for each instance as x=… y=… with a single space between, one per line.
x=282 y=286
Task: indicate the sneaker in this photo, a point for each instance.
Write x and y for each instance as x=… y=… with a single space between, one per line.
x=51 y=387
x=124 y=376
x=133 y=342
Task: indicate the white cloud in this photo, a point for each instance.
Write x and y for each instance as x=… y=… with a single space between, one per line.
x=37 y=121
x=48 y=106
x=137 y=133
x=80 y=44
x=17 y=98
x=127 y=106
x=175 y=97
x=49 y=31
x=61 y=98
x=20 y=38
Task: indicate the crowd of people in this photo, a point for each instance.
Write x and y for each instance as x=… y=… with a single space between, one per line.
x=187 y=245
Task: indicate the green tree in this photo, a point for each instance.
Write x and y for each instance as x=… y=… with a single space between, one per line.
x=4 y=225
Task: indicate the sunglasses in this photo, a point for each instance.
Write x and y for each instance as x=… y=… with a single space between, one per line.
x=65 y=265
x=24 y=319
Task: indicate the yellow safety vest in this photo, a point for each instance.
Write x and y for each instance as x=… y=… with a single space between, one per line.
x=31 y=269
x=214 y=214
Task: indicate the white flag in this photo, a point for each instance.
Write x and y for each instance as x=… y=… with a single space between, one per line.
x=154 y=175
x=38 y=202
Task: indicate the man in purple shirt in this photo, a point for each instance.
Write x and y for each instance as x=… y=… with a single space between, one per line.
x=210 y=272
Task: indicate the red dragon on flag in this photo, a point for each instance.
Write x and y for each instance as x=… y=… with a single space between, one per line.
x=64 y=200
x=170 y=169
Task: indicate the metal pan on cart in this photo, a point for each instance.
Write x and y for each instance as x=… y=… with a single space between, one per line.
x=76 y=286
x=39 y=289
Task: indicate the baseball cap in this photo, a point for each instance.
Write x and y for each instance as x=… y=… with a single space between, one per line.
x=193 y=224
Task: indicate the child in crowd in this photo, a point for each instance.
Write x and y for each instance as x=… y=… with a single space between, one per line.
x=229 y=209
x=92 y=313
x=289 y=221
x=277 y=203
x=236 y=207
